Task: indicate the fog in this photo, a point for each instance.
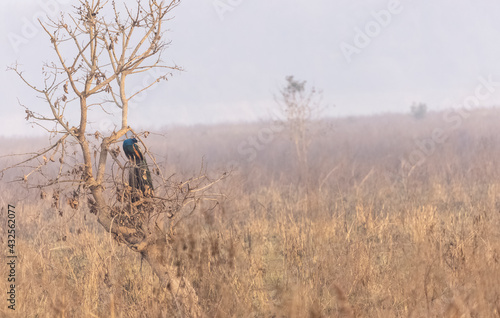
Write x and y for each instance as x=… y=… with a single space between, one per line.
x=368 y=57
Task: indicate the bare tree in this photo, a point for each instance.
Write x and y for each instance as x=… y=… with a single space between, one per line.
x=98 y=48
x=301 y=108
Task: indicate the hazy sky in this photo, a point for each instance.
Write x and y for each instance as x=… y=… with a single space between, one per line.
x=367 y=56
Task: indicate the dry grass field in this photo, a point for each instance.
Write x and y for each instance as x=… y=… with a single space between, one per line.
x=367 y=237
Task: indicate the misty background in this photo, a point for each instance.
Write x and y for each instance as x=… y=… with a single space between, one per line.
x=237 y=53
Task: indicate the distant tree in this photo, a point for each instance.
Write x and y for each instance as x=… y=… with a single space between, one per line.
x=301 y=108
x=419 y=110
x=98 y=48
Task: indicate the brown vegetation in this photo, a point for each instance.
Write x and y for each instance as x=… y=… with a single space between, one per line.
x=373 y=239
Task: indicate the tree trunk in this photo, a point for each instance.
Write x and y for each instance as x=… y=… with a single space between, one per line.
x=154 y=252
x=183 y=294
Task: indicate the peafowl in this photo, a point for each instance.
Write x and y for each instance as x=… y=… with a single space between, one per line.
x=139 y=176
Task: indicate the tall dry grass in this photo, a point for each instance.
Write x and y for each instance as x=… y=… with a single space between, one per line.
x=365 y=239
